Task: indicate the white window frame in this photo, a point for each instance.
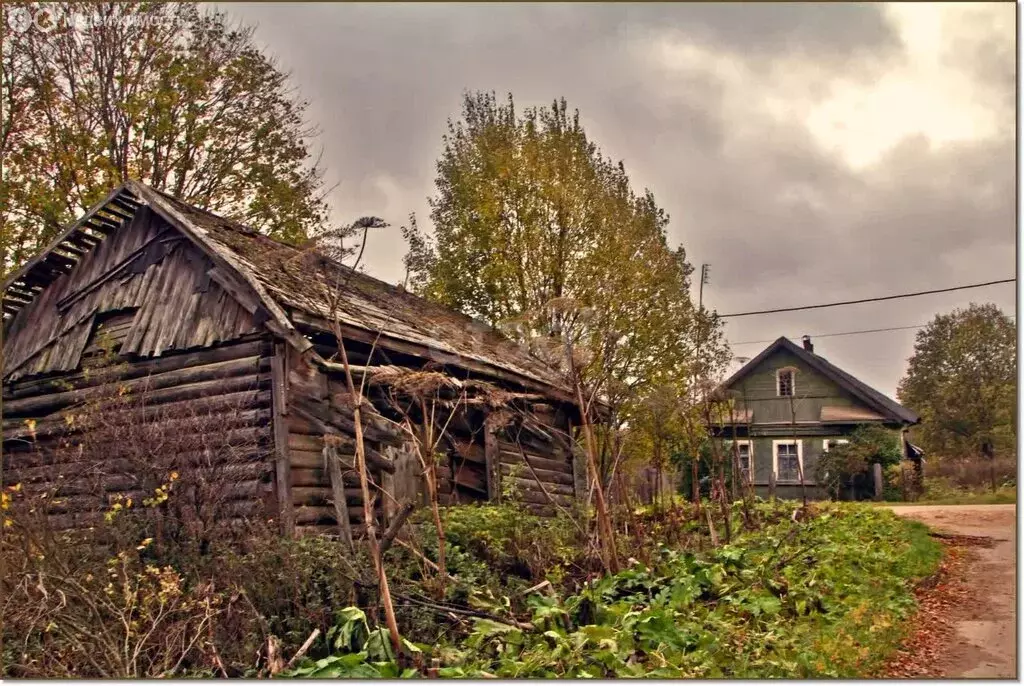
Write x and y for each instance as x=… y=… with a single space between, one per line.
x=799 y=456
x=778 y=382
x=750 y=453
x=829 y=442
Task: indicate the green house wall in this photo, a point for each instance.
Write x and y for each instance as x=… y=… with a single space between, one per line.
x=774 y=419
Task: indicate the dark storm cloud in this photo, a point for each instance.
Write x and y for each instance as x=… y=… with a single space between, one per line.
x=783 y=220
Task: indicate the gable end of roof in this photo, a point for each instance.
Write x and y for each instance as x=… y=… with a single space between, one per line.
x=869 y=396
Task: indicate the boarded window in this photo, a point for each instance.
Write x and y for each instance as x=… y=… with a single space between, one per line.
x=109 y=333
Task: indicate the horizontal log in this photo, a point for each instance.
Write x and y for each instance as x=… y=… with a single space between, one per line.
x=139 y=368
x=541 y=510
x=140 y=425
x=205 y=410
x=545 y=475
x=236 y=445
x=75 y=520
x=315 y=495
x=213 y=490
x=532 y=442
x=373 y=458
x=312 y=514
x=54 y=460
x=528 y=484
x=76 y=503
x=565 y=467
x=538 y=498
x=329 y=530
x=306 y=443
x=216 y=493
x=308 y=459
x=307 y=451
x=312 y=476
x=300 y=425
x=314 y=442
x=116 y=387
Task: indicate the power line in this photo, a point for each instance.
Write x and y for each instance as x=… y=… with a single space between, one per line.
x=843 y=333
x=866 y=300
x=848 y=333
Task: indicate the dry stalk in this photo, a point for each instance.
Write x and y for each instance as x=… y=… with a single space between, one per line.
x=364 y=485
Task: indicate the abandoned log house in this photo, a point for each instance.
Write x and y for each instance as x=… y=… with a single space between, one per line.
x=154 y=338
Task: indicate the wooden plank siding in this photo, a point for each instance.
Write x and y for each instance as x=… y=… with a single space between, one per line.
x=813 y=392
x=800 y=419
x=145 y=266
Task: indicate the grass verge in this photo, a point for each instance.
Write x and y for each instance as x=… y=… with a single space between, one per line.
x=828 y=596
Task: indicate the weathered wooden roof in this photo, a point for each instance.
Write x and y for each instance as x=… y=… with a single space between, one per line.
x=887 y=407
x=278 y=277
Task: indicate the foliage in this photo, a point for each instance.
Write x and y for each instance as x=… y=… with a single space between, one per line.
x=821 y=597
x=535 y=229
x=366 y=653
x=940 y=490
x=88 y=605
x=868 y=445
x=513 y=542
x=824 y=598
x=962 y=380
x=166 y=93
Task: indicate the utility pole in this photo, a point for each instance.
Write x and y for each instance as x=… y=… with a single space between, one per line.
x=705 y=277
x=694 y=468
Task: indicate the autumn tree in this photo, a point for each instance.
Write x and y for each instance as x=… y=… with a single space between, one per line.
x=537 y=231
x=167 y=93
x=844 y=463
x=962 y=380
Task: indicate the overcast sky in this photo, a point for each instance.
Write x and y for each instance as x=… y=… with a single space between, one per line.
x=808 y=152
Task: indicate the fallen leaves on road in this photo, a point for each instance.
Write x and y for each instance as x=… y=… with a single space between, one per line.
x=939 y=597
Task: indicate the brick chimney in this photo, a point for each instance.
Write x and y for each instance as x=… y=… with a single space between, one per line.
x=808 y=346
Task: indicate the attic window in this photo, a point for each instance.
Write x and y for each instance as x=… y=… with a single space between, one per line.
x=786 y=381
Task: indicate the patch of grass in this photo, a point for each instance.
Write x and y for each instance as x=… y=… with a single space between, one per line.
x=1005 y=495
x=825 y=597
x=923 y=554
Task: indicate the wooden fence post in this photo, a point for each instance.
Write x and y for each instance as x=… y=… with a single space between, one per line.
x=282 y=458
x=492 y=458
x=771 y=484
x=876 y=471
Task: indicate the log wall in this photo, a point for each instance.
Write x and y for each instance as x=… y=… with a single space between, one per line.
x=87 y=437
x=484 y=454
x=317 y=406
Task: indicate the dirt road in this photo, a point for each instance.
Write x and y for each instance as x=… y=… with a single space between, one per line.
x=986 y=628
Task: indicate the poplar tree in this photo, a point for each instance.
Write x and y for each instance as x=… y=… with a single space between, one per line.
x=537 y=231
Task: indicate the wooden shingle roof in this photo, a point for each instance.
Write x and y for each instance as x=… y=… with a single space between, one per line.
x=277 y=277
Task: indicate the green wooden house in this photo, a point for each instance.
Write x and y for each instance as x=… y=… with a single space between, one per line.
x=790 y=405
